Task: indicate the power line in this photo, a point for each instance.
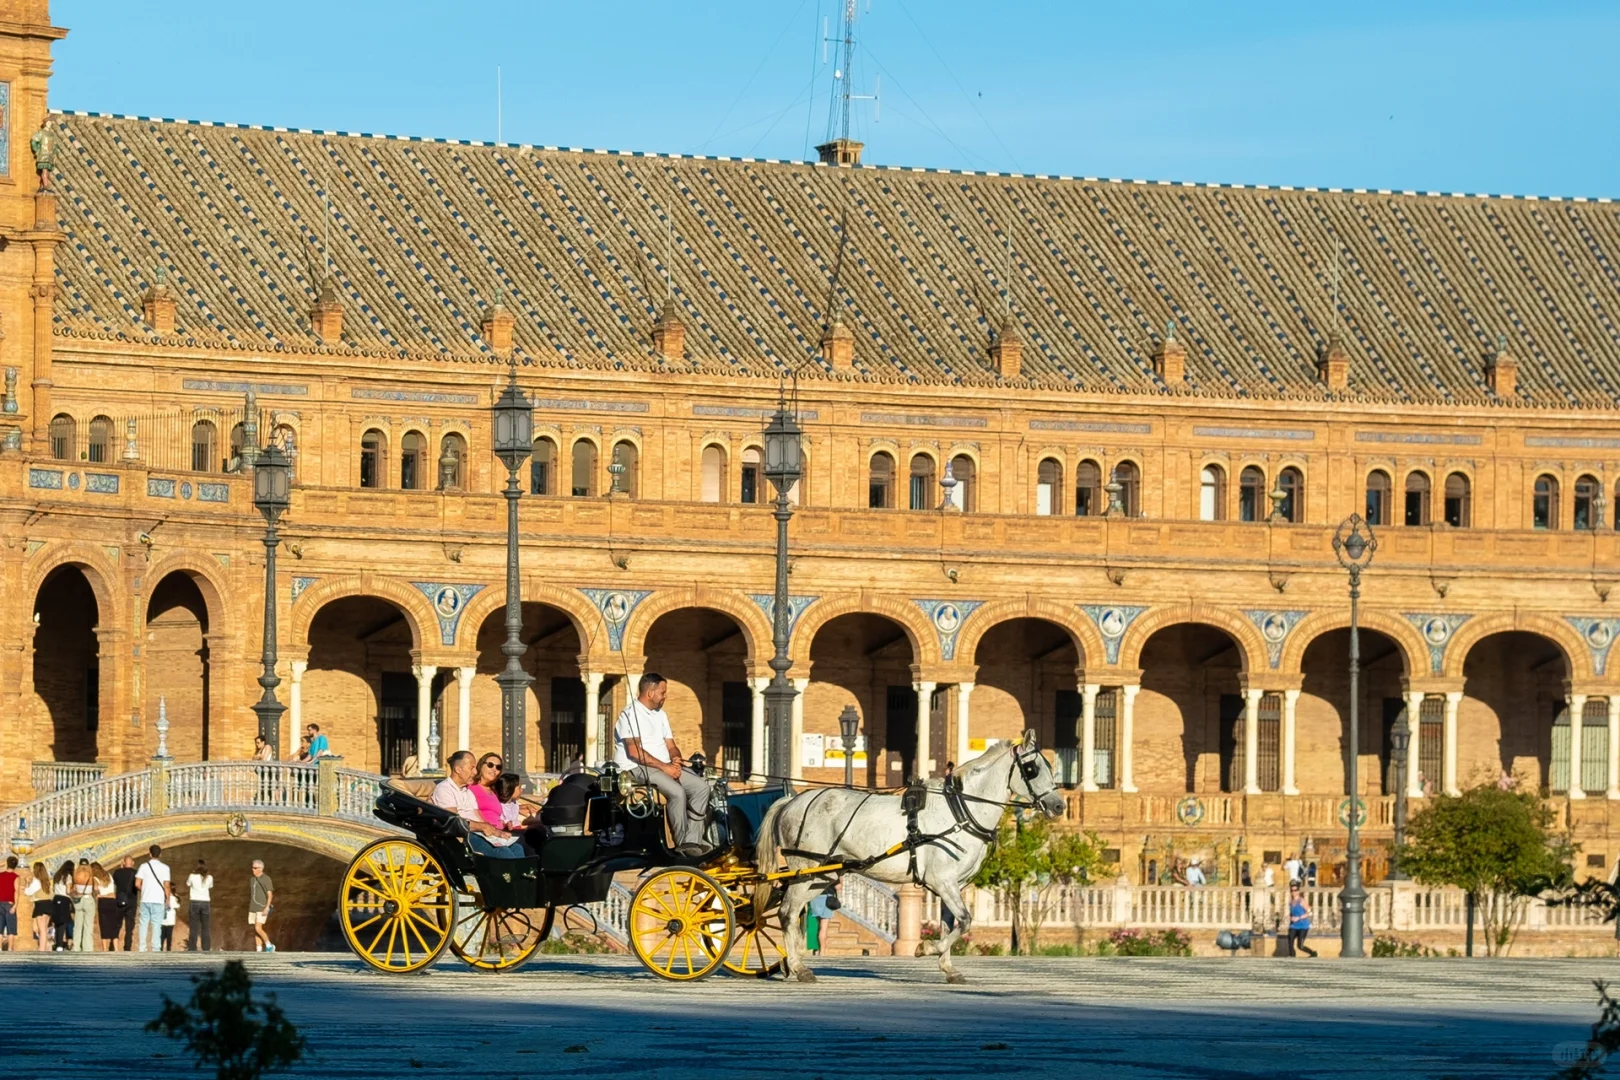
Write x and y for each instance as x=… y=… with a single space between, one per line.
x=764 y=59
x=1011 y=157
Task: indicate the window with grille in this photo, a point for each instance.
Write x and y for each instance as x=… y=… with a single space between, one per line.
x=1105 y=756
x=567 y=722
x=1251 y=494
x=1087 y=489
x=1378 y=498
x=63 y=436
x=1544 y=504
x=1417 y=499
x=1431 y=743
x=1048 y=482
x=98 y=449
x=583 y=479
x=922 y=482
x=1268 y=751
x=880 y=482
x=1066 y=712
x=1594 y=752
x=541 y=467
x=1459 y=501
x=204 y=447
x=750 y=475
x=736 y=728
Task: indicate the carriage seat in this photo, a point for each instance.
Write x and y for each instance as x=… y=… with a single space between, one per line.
x=417 y=787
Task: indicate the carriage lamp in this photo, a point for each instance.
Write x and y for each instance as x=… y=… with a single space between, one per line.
x=1354 y=545
x=272 y=494
x=849 y=722
x=784 y=465
x=513 y=415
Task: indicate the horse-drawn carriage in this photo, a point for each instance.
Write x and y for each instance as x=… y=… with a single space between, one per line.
x=405 y=900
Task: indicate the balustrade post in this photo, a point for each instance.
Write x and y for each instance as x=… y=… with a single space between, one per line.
x=1121 y=915
x=157 y=797
x=909 y=938
x=1402 y=905
x=326 y=785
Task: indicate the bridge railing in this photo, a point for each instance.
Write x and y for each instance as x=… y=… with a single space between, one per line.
x=53 y=776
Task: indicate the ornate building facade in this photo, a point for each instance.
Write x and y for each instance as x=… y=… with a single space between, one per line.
x=1076 y=450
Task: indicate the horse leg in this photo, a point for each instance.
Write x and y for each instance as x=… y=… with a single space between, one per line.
x=950 y=897
x=794 y=901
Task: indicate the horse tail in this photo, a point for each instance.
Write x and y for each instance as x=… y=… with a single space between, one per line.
x=766 y=845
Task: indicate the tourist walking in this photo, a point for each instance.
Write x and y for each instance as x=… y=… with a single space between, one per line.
x=154 y=889
x=261 y=893
x=62 y=907
x=108 y=917
x=200 y=889
x=318 y=746
x=124 y=892
x=38 y=891
x=8 y=905
x=84 y=908
x=1299 y=923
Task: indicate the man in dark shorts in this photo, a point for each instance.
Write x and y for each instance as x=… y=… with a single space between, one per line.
x=124 y=893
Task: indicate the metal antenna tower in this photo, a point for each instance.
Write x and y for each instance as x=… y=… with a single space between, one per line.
x=844 y=78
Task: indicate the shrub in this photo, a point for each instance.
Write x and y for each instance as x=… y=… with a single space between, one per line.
x=1394 y=946
x=571 y=944
x=1131 y=942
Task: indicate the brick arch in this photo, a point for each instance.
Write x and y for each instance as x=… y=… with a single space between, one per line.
x=1251 y=646
x=408 y=598
x=1576 y=652
x=1088 y=643
x=924 y=639
x=98 y=570
x=571 y=602
x=749 y=616
x=215 y=590
x=1414 y=650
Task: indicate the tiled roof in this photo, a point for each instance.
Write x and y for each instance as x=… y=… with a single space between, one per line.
x=424 y=233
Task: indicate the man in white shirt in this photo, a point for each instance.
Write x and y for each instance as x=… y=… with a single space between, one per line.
x=200 y=888
x=455 y=793
x=644 y=747
x=153 y=889
x=1295 y=869
x=1195 y=874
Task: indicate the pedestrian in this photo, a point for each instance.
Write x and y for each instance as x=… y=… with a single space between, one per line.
x=38 y=890
x=84 y=907
x=108 y=917
x=1195 y=874
x=200 y=888
x=262 y=751
x=62 y=907
x=128 y=900
x=261 y=894
x=318 y=746
x=821 y=912
x=171 y=915
x=1295 y=869
x=152 y=881
x=8 y=905
x=303 y=749
x=1299 y=923
x=1268 y=875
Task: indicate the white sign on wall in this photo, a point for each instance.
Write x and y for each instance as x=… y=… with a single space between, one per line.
x=811 y=751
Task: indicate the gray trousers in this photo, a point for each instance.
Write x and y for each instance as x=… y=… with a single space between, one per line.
x=686 y=802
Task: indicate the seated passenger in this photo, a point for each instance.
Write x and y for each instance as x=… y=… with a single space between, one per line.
x=644 y=747
x=483 y=784
x=506 y=788
x=454 y=792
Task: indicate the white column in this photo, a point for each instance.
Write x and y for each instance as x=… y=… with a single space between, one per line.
x=1577 y=711
x=1614 y=747
x=1414 y=736
x=798 y=728
x=424 y=713
x=594 y=753
x=1290 y=704
x=1251 y=742
x=964 y=691
x=1127 y=726
x=924 y=766
x=295 y=698
x=1088 y=736
x=756 y=728
x=1449 y=768
x=464 y=681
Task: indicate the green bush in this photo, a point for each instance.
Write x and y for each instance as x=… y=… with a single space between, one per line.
x=1131 y=942
x=572 y=944
x=1394 y=946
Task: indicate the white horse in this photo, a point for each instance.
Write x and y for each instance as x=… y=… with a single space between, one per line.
x=841 y=825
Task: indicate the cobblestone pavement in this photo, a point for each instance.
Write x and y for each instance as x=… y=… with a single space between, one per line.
x=82 y=1016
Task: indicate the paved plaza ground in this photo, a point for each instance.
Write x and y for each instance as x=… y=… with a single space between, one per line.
x=82 y=1016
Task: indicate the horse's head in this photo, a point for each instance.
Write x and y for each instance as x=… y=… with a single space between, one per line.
x=1035 y=776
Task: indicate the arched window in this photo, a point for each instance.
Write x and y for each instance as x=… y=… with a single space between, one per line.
x=624 y=453
x=1417 y=498
x=1251 y=494
x=452 y=463
x=238 y=444
x=880 y=481
x=1292 y=485
x=64 y=437
x=714 y=474
x=1544 y=504
x=286 y=440
x=1587 y=493
x=1212 y=494
x=204 y=447
x=373 y=458
x=583 y=480
x=1088 y=493
x=100 y=440
x=412 y=467
x=964 y=496
x=1129 y=479
x=543 y=468
x=1048 y=486
x=1459 y=501
x=753 y=478
x=1378 y=497
x=922 y=482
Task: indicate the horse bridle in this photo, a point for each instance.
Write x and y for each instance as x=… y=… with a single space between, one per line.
x=1028 y=768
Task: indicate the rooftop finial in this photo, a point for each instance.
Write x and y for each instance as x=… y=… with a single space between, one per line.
x=1170 y=329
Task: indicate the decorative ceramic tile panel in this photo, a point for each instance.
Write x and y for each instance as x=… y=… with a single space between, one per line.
x=1437 y=631
x=449 y=600
x=796 y=606
x=1599 y=635
x=615 y=606
x=1112 y=621
x=1275 y=626
x=947 y=616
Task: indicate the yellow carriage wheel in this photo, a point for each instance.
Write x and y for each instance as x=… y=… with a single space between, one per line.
x=756 y=949
x=397 y=906
x=497 y=939
x=681 y=924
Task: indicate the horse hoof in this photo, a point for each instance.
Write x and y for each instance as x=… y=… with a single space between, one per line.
x=956 y=978
x=806 y=976
x=922 y=949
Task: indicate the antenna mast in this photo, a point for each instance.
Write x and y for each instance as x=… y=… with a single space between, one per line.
x=843 y=86
x=497 y=103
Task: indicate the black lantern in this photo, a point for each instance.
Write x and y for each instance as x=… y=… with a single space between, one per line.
x=272 y=484
x=849 y=722
x=784 y=454
x=514 y=426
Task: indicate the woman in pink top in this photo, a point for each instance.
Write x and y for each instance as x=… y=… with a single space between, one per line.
x=489 y=807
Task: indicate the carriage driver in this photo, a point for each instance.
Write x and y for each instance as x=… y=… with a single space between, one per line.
x=644 y=747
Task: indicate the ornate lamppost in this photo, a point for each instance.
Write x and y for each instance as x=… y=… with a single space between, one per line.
x=784 y=465
x=272 y=484
x=1354 y=545
x=514 y=439
x=849 y=723
x=1399 y=744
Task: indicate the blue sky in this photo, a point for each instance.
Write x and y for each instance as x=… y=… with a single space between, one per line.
x=1479 y=97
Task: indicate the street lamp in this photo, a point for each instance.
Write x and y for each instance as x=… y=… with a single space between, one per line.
x=272 y=484
x=1399 y=742
x=514 y=439
x=1354 y=546
x=849 y=721
x=784 y=465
